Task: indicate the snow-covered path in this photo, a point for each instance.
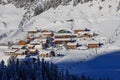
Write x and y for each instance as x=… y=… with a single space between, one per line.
x=107 y=66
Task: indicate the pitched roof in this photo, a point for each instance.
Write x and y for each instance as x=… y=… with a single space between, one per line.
x=62 y=39
x=62 y=34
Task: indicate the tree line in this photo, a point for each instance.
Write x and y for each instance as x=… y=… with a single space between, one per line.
x=36 y=69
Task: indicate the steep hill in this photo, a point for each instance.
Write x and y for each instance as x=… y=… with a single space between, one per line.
x=101 y=16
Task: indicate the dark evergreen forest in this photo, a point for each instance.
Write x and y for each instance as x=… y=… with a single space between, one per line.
x=34 y=69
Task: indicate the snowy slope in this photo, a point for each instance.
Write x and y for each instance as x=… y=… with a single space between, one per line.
x=10 y=17
x=96 y=15
x=83 y=16
x=104 y=21
x=102 y=17
x=106 y=66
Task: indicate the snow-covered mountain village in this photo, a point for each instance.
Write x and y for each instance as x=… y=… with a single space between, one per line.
x=77 y=39
x=46 y=43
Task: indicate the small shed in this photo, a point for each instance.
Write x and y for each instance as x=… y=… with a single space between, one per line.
x=81 y=30
x=93 y=44
x=71 y=45
x=32 y=31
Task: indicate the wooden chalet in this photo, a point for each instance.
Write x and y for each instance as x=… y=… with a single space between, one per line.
x=21 y=52
x=80 y=30
x=62 y=38
x=32 y=51
x=62 y=41
x=29 y=46
x=43 y=40
x=84 y=35
x=63 y=35
x=72 y=45
x=10 y=52
x=46 y=33
x=44 y=54
x=35 y=42
x=93 y=45
x=31 y=33
x=39 y=47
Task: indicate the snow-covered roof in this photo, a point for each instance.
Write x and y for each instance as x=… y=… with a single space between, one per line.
x=17 y=46
x=43 y=39
x=32 y=50
x=75 y=43
x=62 y=34
x=38 y=46
x=93 y=42
x=29 y=45
x=46 y=32
x=83 y=32
x=35 y=41
x=62 y=39
x=88 y=42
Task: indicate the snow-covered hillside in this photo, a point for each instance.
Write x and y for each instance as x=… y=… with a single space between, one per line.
x=101 y=16
x=97 y=15
x=10 y=17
